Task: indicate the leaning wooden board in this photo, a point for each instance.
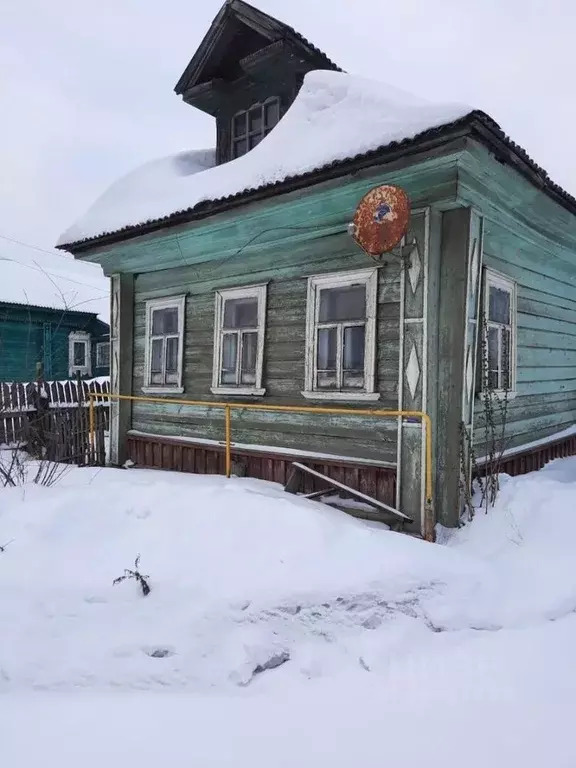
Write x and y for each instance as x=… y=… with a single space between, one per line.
x=336 y=484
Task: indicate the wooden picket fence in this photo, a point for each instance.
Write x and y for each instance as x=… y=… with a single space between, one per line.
x=52 y=419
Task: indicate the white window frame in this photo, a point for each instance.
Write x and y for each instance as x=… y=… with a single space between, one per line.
x=369 y=278
x=246 y=292
x=99 y=346
x=497 y=280
x=79 y=337
x=169 y=302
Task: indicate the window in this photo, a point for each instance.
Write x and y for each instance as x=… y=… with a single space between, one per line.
x=250 y=127
x=103 y=354
x=341 y=336
x=164 y=345
x=239 y=341
x=499 y=363
x=79 y=354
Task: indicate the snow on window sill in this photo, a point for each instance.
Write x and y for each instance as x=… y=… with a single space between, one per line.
x=345 y=396
x=499 y=394
x=238 y=391
x=163 y=390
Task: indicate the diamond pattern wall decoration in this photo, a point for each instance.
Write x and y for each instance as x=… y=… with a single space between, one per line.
x=415 y=267
x=469 y=373
x=474 y=270
x=413 y=371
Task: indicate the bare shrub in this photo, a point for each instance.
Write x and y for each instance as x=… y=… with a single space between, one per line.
x=136 y=575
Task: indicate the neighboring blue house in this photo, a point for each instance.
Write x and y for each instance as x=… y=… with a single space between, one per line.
x=42 y=320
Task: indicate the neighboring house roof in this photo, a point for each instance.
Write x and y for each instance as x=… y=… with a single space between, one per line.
x=336 y=120
x=43 y=285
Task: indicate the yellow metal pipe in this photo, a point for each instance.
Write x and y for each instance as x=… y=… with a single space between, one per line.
x=228 y=407
x=228 y=424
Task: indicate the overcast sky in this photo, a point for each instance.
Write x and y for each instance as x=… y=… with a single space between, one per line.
x=86 y=88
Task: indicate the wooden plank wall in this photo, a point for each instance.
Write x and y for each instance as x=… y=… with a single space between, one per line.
x=532 y=240
x=285 y=267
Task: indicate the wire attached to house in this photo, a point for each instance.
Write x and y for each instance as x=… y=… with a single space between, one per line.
x=249 y=242
x=38 y=268
x=35 y=248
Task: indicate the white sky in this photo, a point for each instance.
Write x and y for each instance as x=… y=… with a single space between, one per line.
x=86 y=88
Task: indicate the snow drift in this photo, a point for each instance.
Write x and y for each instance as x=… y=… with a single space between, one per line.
x=246 y=578
x=321 y=640
x=335 y=116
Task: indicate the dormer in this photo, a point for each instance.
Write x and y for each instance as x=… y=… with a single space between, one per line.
x=246 y=73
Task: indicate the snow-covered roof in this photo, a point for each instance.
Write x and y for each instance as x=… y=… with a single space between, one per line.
x=53 y=284
x=334 y=117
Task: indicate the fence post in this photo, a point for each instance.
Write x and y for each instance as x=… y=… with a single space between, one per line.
x=41 y=403
x=92 y=427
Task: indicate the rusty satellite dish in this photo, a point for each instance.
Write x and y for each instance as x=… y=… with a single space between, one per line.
x=381 y=219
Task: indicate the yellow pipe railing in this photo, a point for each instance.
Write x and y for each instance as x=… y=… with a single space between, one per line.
x=229 y=407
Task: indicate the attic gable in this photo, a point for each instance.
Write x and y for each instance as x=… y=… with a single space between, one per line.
x=243 y=43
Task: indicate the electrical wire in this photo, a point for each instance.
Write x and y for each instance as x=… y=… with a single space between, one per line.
x=38 y=268
x=35 y=248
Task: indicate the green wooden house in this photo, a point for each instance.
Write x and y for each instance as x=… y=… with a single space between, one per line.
x=37 y=325
x=235 y=279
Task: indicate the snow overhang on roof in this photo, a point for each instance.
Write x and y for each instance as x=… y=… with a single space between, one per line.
x=335 y=117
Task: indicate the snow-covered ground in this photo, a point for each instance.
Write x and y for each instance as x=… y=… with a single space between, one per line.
x=393 y=650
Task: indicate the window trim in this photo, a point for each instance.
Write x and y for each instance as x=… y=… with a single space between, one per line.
x=492 y=278
x=99 y=346
x=75 y=337
x=245 y=292
x=247 y=134
x=369 y=277
x=168 y=302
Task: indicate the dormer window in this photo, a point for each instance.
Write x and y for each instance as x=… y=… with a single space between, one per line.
x=250 y=126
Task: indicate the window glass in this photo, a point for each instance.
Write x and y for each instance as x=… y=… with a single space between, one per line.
x=506 y=359
x=354 y=348
x=103 y=354
x=164 y=321
x=239 y=148
x=493 y=363
x=249 y=354
x=229 y=358
x=255 y=120
x=338 y=304
x=172 y=355
x=271 y=114
x=499 y=306
x=327 y=358
x=156 y=361
x=239 y=125
x=79 y=354
x=241 y=313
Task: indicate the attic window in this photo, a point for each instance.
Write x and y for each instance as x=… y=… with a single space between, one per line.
x=249 y=127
